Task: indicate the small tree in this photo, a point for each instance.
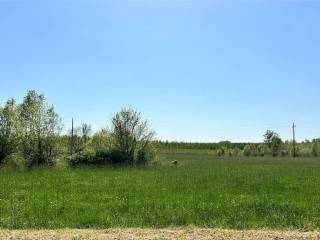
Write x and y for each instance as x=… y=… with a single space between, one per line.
x=101 y=141
x=246 y=150
x=86 y=132
x=78 y=139
x=273 y=141
x=40 y=128
x=261 y=150
x=315 y=149
x=132 y=136
x=9 y=129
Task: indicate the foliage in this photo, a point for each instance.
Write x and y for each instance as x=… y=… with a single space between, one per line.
x=247 y=150
x=173 y=145
x=305 y=152
x=315 y=149
x=79 y=138
x=86 y=158
x=101 y=141
x=132 y=136
x=262 y=150
x=273 y=141
x=40 y=126
x=221 y=152
x=86 y=130
x=236 y=152
x=9 y=130
x=106 y=157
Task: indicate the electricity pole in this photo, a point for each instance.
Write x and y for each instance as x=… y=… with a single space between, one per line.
x=294 y=139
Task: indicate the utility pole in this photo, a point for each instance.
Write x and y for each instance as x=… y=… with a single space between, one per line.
x=71 y=150
x=294 y=139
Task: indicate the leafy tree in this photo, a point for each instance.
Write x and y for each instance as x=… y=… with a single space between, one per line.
x=315 y=149
x=81 y=136
x=221 y=152
x=262 y=150
x=101 y=140
x=86 y=130
x=9 y=129
x=132 y=136
x=40 y=128
x=247 y=150
x=273 y=141
x=268 y=137
x=236 y=152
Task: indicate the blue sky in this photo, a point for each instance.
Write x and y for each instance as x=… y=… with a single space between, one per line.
x=197 y=70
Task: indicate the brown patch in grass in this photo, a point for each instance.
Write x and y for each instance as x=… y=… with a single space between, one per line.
x=152 y=234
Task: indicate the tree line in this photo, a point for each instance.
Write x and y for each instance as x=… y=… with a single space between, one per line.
x=30 y=133
x=272 y=145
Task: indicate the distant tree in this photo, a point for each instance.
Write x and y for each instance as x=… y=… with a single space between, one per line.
x=86 y=131
x=315 y=149
x=221 y=151
x=40 y=127
x=246 y=150
x=102 y=140
x=268 y=137
x=236 y=152
x=273 y=141
x=81 y=135
x=262 y=150
x=9 y=129
x=76 y=141
x=132 y=136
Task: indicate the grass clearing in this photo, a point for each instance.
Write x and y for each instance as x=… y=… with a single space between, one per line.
x=202 y=191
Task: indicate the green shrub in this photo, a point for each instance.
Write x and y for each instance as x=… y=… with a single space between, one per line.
x=262 y=150
x=105 y=157
x=315 y=149
x=145 y=155
x=283 y=152
x=246 y=151
x=220 y=152
x=15 y=161
x=305 y=152
x=83 y=158
x=236 y=152
x=132 y=136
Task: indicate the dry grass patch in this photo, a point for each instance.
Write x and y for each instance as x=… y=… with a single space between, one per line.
x=152 y=234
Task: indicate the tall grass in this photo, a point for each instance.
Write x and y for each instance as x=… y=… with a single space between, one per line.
x=201 y=190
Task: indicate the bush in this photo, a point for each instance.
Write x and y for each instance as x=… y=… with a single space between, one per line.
x=132 y=137
x=220 y=152
x=236 y=152
x=83 y=158
x=315 y=149
x=305 y=152
x=145 y=155
x=262 y=150
x=15 y=161
x=246 y=151
x=283 y=152
x=105 y=157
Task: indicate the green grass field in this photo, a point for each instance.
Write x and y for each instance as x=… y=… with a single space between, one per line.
x=201 y=190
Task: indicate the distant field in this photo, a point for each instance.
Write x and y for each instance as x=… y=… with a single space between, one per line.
x=202 y=190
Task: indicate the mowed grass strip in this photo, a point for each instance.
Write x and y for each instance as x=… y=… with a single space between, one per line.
x=202 y=191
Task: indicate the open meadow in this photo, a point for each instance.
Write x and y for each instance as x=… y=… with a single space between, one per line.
x=201 y=191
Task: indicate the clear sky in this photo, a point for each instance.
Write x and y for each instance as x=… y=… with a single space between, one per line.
x=198 y=70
